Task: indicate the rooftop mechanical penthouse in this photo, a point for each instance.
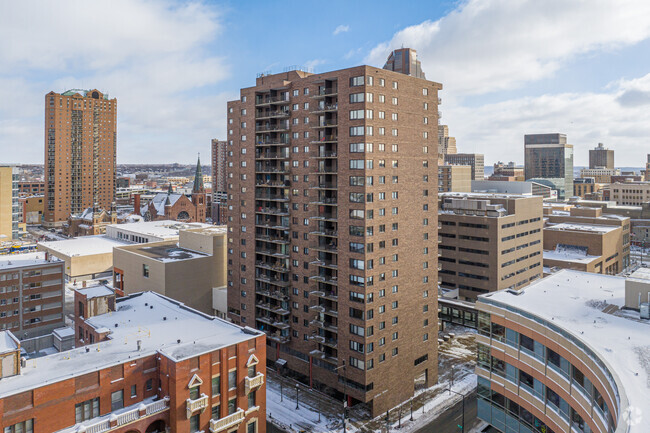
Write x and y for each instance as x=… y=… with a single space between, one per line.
x=144 y=363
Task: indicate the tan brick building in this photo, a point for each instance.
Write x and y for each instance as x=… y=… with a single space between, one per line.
x=585 y=239
x=332 y=230
x=10 y=211
x=630 y=193
x=475 y=160
x=80 y=153
x=454 y=178
x=489 y=242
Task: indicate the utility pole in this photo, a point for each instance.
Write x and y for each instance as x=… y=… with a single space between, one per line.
x=462 y=425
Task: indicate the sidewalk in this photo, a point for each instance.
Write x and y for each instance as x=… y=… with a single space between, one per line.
x=456 y=364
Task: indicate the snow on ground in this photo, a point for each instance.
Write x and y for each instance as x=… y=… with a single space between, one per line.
x=456 y=365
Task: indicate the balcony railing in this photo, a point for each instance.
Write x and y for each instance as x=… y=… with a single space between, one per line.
x=251 y=383
x=227 y=422
x=193 y=405
x=139 y=411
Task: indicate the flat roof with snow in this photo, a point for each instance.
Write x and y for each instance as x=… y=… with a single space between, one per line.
x=163 y=230
x=569 y=256
x=97 y=291
x=84 y=245
x=8 y=342
x=155 y=320
x=582 y=227
x=575 y=301
x=11 y=261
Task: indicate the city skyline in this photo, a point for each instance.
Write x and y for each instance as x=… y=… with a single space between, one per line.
x=591 y=86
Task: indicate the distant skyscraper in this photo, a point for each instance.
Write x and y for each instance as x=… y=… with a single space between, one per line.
x=549 y=159
x=80 y=152
x=219 y=181
x=601 y=156
x=446 y=144
x=405 y=61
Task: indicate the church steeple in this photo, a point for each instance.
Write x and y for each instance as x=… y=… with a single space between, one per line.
x=198 y=178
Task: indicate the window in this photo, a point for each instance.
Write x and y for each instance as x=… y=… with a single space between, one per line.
x=356 y=114
x=21 y=427
x=117 y=400
x=251 y=399
x=194 y=392
x=134 y=391
x=86 y=410
x=216 y=412
x=394 y=84
x=394 y=100
x=356 y=131
x=356 y=97
x=356 y=81
x=149 y=384
x=194 y=423
x=232 y=379
x=232 y=406
x=145 y=271
x=216 y=385
x=357 y=164
x=251 y=427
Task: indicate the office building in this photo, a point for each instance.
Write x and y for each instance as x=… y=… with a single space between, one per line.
x=405 y=61
x=600 y=174
x=31 y=294
x=561 y=356
x=80 y=152
x=332 y=231
x=601 y=157
x=507 y=172
x=454 y=178
x=489 y=242
x=475 y=160
x=513 y=187
x=10 y=210
x=630 y=193
x=191 y=269
x=548 y=158
x=586 y=186
x=446 y=144
x=143 y=363
x=31 y=187
x=586 y=231
x=219 y=181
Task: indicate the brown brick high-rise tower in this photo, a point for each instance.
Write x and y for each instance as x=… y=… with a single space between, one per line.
x=332 y=193
x=80 y=153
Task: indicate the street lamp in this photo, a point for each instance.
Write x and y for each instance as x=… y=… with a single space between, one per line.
x=345 y=398
x=462 y=426
x=297 y=387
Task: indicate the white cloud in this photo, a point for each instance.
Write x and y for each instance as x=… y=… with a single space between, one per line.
x=312 y=64
x=498 y=129
x=489 y=45
x=152 y=55
x=341 y=29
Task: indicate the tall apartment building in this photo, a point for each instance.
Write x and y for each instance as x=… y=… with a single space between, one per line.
x=10 y=208
x=27 y=187
x=219 y=181
x=489 y=242
x=475 y=160
x=332 y=231
x=446 y=144
x=454 y=178
x=80 y=153
x=31 y=294
x=601 y=157
x=142 y=363
x=548 y=158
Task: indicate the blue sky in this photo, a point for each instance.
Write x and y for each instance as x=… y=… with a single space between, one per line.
x=508 y=67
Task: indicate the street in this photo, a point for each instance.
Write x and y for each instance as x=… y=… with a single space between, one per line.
x=449 y=420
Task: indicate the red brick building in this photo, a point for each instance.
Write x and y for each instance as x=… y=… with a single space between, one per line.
x=149 y=364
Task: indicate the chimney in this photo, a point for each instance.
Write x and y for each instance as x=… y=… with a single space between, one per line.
x=139 y=345
x=83 y=284
x=136 y=204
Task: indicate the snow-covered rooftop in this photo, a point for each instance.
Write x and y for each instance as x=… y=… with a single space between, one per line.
x=84 y=245
x=7 y=342
x=477 y=195
x=575 y=301
x=155 y=320
x=169 y=253
x=582 y=227
x=10 y=261
x=163 y=230
x=566 y=255
x=641 y=274
x=97 y=291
